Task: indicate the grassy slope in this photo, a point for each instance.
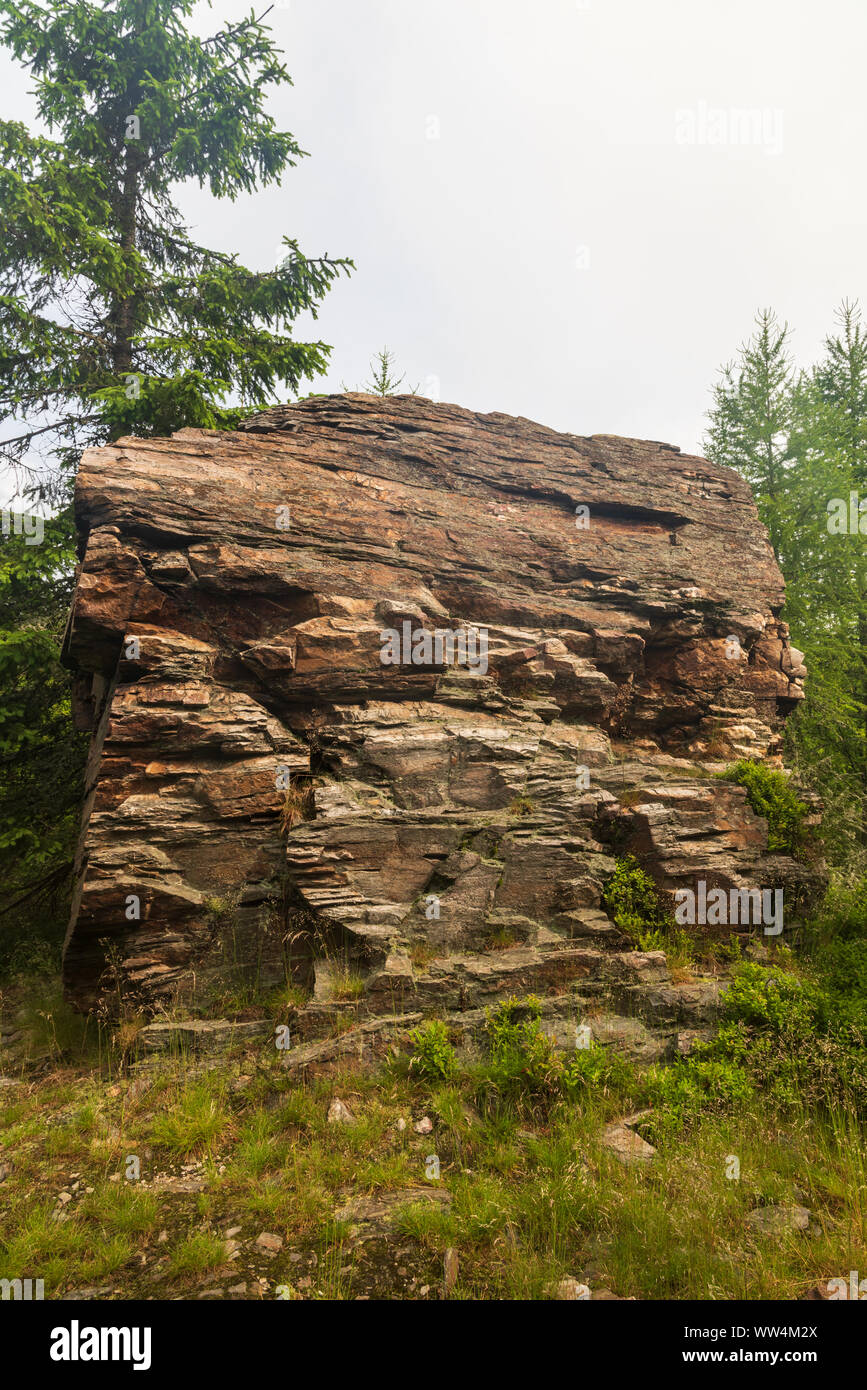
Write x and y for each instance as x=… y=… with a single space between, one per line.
x=534 y=1197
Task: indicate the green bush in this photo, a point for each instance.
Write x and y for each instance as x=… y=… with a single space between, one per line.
x=692 y=1086
x=634 y=902
x=782 y=1037
x=841 y=915
x=771 y=795
x=434 y=1058
x=791 y=1035
x=596 y=1071
x=767 y=997
x=843 y=969
x=523 y=1072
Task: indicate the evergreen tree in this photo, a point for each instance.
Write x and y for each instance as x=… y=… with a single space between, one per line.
x=113 y=318
x=41 y=755
x=827 y=588
x=383 y=380
x=751 y=418
x=803 y=451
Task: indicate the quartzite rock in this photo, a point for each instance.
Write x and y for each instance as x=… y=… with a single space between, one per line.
x=263 y=789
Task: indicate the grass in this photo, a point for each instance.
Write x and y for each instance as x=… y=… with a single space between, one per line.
x=195 y=1123
x=533 y=1198
x=237 y=1143
x=346 y=983
x=197 y=1253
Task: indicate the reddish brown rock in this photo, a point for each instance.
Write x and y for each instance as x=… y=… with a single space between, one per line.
x=265 y=794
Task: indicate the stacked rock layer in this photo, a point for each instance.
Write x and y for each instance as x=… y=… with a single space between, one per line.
x=275 y=787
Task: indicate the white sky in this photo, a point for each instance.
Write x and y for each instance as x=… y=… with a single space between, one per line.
x=558 y=130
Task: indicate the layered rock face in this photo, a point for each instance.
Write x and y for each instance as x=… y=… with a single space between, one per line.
x=379 y=689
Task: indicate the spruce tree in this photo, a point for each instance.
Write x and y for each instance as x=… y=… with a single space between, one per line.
x=751 y=418
x=114 y=319
x=801 y=441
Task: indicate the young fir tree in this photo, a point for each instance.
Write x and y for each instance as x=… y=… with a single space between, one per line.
x=115 y=320
x=751 y=418
x=383 y=381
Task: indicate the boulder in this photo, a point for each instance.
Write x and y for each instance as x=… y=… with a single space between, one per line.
x=381 y=687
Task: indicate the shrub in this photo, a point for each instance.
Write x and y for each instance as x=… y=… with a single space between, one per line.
x=523 y=1071
x=599 y=1071
x=793 y=1038
x=434 y=1057
x=771 y=795
x=694 y=1085
x=774 y=999
x=679 y=947
x=634 y=901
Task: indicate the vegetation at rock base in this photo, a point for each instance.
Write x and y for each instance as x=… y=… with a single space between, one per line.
x=528 y=1192
x=771 y=795
x=635 y=902
x=433 y=1056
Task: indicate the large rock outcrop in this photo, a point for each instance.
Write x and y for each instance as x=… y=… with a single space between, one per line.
x=269 y=790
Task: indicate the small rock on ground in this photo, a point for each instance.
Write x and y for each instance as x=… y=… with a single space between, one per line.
x=776 y=1220
x=628 y=1147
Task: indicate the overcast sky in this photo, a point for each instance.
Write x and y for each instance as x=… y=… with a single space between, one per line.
x=564 y=210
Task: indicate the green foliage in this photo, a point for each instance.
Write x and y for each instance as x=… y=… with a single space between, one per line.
x=751 y=418
x=678 y=945
x=771 y=998
x=594 y=1071
x=634 y=902
x=783 y=1036
x=434 y=1057
x=771 y=795
x=801 y=441
x=113 y=319
x=835 y=943
x=41 y=755
x=523 y=1072
x=383 y=382
x=693 y=1087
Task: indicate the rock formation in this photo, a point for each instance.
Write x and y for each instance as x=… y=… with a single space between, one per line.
x=276 y=787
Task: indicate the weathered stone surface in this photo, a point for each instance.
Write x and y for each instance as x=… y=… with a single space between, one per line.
x=201 y=1035
x=568 y=1290
x=263 y=789
x=339 y=1113
x=382 y=1210
x=777 y=1220
x=628 y=1147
